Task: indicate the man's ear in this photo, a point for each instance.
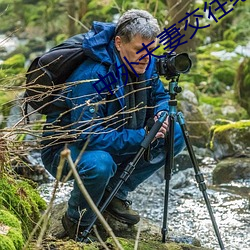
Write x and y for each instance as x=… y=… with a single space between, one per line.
x=118 y=43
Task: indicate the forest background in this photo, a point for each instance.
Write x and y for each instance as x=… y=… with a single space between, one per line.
x=220 y=72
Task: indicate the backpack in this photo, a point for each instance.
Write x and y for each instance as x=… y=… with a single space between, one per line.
x=48 y=73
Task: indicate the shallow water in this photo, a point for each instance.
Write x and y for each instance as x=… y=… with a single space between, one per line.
x=188 y=215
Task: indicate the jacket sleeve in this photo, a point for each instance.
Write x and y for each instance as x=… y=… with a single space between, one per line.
x=88 y=118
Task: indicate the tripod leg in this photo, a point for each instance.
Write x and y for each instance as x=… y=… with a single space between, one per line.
x=129 y=168
x=199 y=177
x=168 y=173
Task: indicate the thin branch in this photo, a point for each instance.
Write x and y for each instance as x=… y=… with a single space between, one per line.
x=79 y=22
x=99 y=238
x=138 y=236
x=66 y=154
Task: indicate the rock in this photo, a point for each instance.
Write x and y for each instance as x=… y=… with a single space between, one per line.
x=188 y=95
x=232 y=139
x=227 y=110
x=149 y=238
x=197 y=125
x=231 y=169
x=181 y=179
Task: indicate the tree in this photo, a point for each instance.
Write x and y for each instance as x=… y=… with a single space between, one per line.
x=176 y=11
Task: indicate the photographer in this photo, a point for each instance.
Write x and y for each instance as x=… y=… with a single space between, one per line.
x=111 y=122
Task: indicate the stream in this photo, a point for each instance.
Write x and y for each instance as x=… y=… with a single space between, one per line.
x=187 y=212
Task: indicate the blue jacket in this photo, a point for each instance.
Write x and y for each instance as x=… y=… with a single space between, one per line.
x=99 y=117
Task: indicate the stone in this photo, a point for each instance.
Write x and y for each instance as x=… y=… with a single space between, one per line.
x=230 y=140
x=197 y=125
x=231 y=169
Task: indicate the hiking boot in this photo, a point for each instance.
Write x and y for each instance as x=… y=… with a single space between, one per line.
x=121 y=211
x=75 y=231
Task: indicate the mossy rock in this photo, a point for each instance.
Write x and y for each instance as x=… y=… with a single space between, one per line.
x=150 y=235
x=232 y=139
x=231 y=169
x=225 y=75
x=10 y=231
x=219 y=107
x=128 y=244
x=22 y=200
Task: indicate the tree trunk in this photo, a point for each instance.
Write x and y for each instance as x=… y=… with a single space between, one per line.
x=83 y=7
x=72 y=13
x=177 y=11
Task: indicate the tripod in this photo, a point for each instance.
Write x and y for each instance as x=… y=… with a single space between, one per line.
x=173 y=90
x=169 y=163
x=129 y=169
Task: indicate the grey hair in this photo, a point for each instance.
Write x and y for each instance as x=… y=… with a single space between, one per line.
x=137 y=22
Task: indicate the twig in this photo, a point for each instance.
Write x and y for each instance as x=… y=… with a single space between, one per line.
x=66 y=154
x=137 y=236
x=77 y=21
x=99 y=238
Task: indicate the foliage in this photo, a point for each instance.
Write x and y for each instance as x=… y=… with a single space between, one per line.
x=230 y=27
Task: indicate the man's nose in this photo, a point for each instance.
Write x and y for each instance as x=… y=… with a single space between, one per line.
x=145 y=56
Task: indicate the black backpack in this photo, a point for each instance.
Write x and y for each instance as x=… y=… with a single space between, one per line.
x=48 y=73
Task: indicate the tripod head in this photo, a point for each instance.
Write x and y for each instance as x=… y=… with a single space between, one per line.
x=174 y=89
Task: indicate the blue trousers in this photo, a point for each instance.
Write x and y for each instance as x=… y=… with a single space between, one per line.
x=100 y=170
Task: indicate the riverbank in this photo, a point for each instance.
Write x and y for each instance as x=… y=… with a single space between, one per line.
x=188 y=215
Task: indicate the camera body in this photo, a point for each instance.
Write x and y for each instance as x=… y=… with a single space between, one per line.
x=173 y=65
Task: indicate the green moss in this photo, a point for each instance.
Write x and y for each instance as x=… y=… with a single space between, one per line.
x=16 y=237
x=16 y=61
x=228 y=45
x=6 y=243
x=225 y=75
x=128 y=244
x=212 y=100
x=13 y=239
x=9 y=219
x=13 y=71
x=22 y=200
x=236 y=125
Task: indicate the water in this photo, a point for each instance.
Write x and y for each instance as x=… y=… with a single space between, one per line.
x=188 y=215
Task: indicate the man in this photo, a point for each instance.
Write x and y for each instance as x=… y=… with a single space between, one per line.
x=111 y=123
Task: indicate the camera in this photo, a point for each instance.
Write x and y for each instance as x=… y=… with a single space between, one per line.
x=173 y=65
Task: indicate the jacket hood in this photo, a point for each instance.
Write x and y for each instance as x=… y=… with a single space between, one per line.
x=98 y=43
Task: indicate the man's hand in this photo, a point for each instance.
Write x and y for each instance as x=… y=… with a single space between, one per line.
x=164 y=128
